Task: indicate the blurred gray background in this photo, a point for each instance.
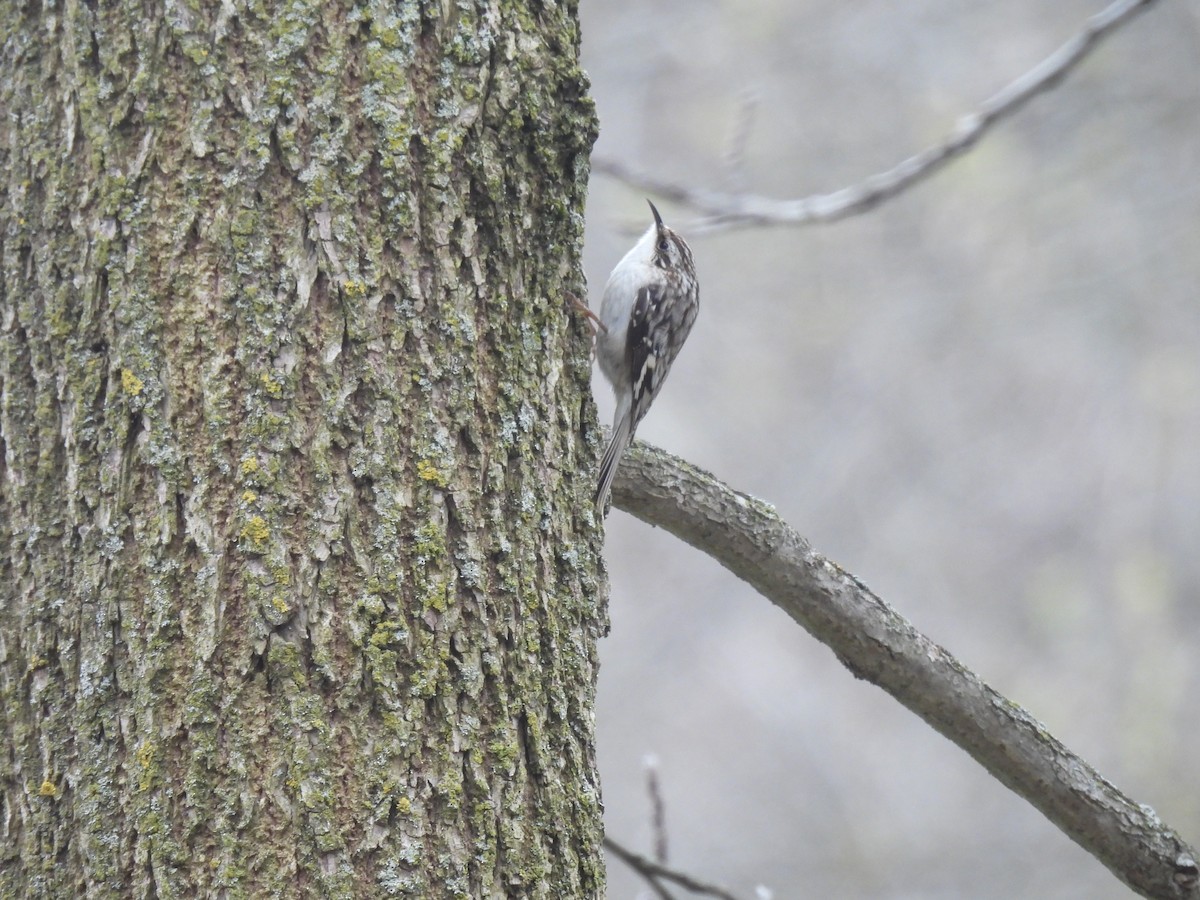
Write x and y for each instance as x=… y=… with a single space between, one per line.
x=982 y=398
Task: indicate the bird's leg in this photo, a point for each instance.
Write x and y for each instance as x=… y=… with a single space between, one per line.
x=593 y=320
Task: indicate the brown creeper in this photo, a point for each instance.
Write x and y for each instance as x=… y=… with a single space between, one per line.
x=650 y=303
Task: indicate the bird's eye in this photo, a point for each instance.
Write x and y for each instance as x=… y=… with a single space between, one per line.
x=663 y=246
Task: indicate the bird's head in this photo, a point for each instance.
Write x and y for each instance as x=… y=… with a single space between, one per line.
x=667 y=249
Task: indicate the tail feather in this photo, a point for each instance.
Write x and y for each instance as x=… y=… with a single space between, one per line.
x=622 y=436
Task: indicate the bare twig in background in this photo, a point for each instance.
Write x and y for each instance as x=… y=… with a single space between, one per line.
x=877 y=644
x=644 y=867
x=735 y=153
x=731 y=210
x=658 y=810
x=655 y=873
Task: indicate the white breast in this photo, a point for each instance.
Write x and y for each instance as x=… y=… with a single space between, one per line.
x=620 y=293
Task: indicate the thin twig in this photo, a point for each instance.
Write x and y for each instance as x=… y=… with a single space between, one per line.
x=723 y=210
x=644 y=867
x=658 y=810
x=739 y=139
x=654 y=873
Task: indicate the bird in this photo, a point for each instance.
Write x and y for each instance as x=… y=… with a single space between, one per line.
x=650 y=304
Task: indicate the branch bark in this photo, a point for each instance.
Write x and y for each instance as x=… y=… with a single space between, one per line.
x=877 y=644
x=725 y=211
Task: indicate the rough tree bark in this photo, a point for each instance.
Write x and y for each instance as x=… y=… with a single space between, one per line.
x=297 y=570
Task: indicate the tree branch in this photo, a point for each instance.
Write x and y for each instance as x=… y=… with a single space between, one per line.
x=877 y=644
x=658 y=811
x=732 y=210
x=655 y=873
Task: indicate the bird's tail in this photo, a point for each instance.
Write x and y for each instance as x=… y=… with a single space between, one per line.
x=622 y=436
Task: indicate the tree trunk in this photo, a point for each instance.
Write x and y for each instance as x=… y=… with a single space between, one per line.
x=298 y=572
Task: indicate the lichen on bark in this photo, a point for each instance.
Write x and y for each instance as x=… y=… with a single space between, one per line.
x=299 y=584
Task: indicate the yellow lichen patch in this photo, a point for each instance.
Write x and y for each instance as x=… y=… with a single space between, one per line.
x=270 y=385
x=355 y=288
x=130 y=383
x=438 y=597
x=426 y=471
x=249 y=496
x=403 y=806
x=280 y=605
x=249 y=465
x=145 y=757
x=256 y=531
x=48 y=789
